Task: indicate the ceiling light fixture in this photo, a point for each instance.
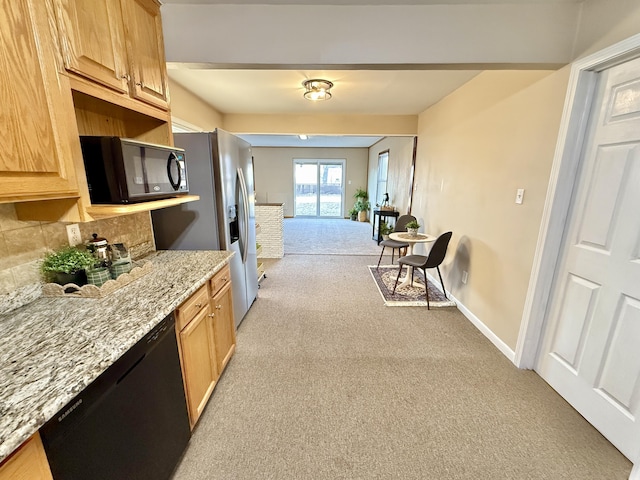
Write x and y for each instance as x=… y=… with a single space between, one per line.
x=302 y=137
x=317 y=89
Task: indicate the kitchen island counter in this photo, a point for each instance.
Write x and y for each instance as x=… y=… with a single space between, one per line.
x=52 y=348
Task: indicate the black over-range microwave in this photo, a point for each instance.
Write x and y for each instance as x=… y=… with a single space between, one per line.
x=121 y=170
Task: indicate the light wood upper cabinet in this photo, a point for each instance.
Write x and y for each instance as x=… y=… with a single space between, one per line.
x=37 y=123
x=28 y=462
x=92 y=41
x=71 y=68
x=145 y=49
x=117 y=44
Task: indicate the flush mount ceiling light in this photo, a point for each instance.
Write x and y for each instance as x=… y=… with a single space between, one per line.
x=317 y=89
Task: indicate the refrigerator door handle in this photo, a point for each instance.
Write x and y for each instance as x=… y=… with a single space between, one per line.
x=244 y=231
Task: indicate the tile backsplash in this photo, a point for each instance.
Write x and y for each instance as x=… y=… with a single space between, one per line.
x=23 y=244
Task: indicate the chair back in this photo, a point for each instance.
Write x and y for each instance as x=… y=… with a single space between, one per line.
x=401 y=223
x=438 y=251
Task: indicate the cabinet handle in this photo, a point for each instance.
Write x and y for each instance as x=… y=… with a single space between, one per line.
x=126 y=77
x=139 y=84
x=211 y=315
x=198 y=305
x=218 y=307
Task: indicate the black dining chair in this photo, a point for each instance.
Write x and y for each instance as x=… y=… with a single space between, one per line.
x=400 y=226
x=433 y=260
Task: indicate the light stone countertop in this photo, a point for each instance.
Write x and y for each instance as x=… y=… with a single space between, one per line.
x=52 y=348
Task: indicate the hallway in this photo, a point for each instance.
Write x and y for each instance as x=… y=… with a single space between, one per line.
x=327 y=383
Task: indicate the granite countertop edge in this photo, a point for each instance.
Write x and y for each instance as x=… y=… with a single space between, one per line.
x=54 y=347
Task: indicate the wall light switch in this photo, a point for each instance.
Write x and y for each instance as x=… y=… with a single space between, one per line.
x=519 y=195
x=465 y=276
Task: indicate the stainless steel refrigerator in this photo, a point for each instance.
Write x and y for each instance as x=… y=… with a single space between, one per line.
x=220 y=171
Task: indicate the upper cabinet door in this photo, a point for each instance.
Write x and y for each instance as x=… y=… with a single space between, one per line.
x=145 y=49
x=37 y=125
x=91 y=38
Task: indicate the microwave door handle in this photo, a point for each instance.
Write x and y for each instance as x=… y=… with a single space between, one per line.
x=175 y=185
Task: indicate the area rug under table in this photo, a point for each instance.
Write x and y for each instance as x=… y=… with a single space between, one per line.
x=385 y=278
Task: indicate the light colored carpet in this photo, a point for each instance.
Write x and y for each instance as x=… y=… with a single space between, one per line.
x=327 y=383
x=310 y=236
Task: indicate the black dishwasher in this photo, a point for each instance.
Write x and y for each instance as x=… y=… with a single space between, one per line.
x=130 y=423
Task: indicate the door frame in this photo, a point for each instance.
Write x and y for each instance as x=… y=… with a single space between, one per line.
x=568 y=154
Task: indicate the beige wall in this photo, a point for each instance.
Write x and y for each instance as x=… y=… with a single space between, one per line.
x=400 y=156
x=605 y=22
x=187 y=107
x=23 y=244
x=476 y=147
x=377 y=125
x=273 y=169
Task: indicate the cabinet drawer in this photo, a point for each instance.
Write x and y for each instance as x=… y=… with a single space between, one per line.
x=28 y=462
x=220 y=279
x=190 y=308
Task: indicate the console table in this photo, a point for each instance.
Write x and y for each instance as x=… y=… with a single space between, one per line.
x=379 y=216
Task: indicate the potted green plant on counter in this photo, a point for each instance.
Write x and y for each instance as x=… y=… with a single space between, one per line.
x=67 y=265
x=412 y=228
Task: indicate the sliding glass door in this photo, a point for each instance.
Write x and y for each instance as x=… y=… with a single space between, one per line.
x=318 y=188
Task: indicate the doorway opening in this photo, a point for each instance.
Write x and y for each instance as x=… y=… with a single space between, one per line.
x=319 y=188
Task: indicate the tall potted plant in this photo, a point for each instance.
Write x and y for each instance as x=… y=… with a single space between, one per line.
x=362 y=207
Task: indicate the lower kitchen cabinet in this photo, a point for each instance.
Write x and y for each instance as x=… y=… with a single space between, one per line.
x=206 y=339
x=223 y=325
x=197 y=352
x=28 y=462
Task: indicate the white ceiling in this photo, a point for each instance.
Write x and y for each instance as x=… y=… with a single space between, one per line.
x=374 y=92
x=271 y=90
x=368 y=92
x=325 y=141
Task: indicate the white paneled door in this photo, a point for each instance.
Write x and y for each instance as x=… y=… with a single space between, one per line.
x=591 y=350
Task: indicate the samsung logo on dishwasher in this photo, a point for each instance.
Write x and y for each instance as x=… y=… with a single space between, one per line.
x=69 y=410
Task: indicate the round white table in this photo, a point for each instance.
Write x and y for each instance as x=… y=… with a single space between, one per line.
x=411 y=240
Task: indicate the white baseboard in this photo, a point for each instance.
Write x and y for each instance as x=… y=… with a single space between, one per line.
x=486 y=331
x=635 y=472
